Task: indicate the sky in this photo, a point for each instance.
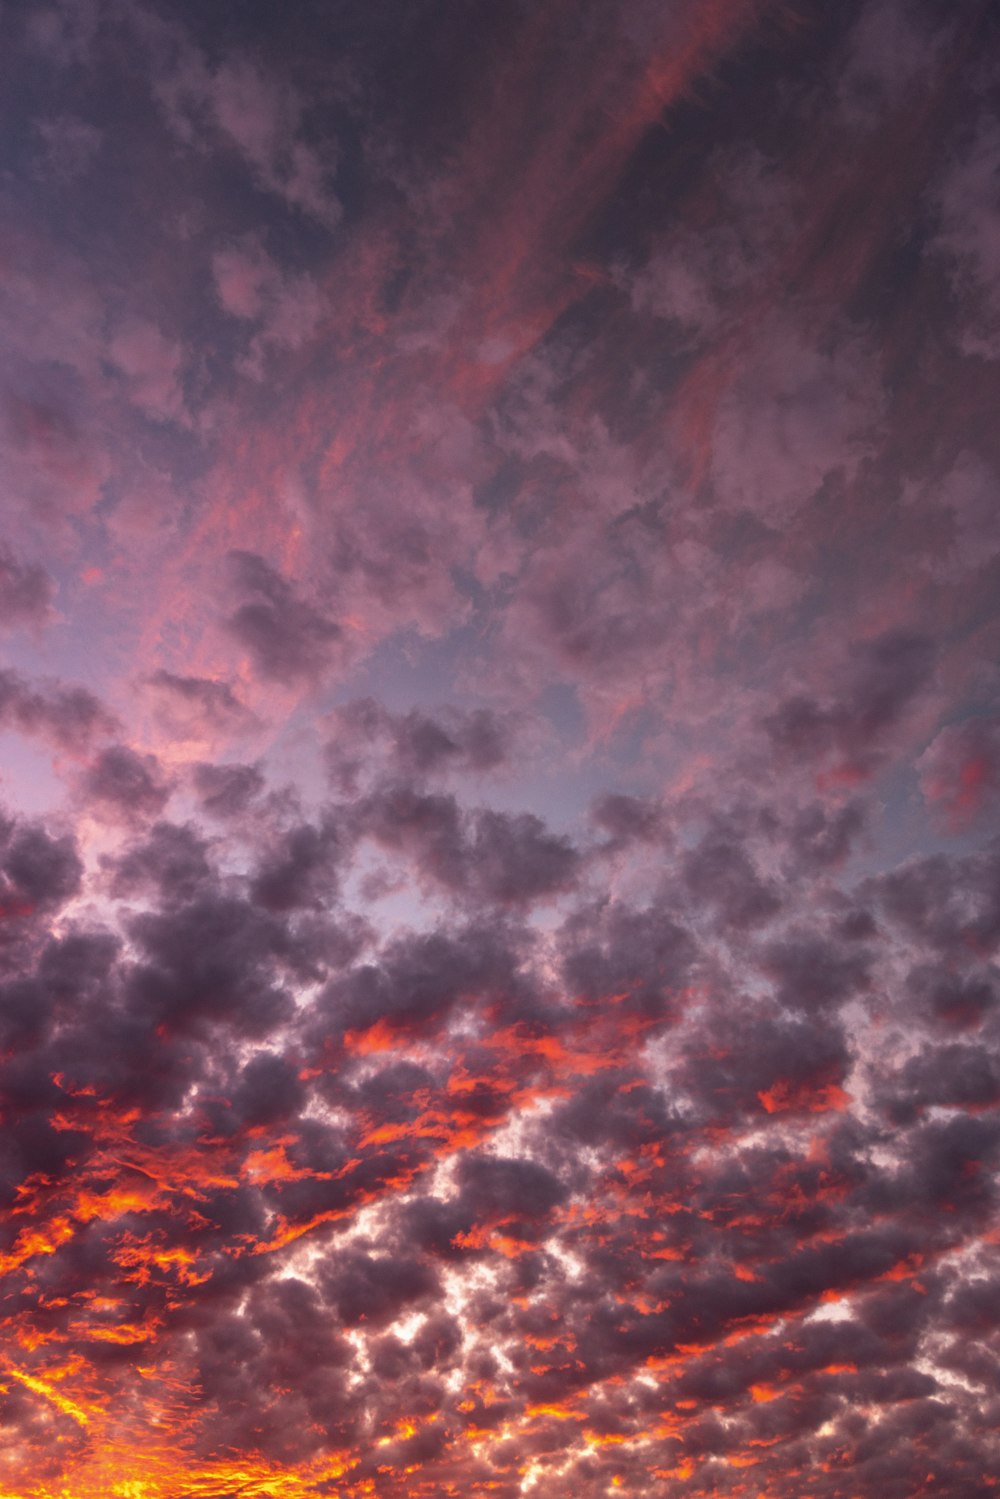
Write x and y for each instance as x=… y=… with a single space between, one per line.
x=499 y=749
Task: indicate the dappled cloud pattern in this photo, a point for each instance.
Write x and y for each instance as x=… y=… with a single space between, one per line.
x=499 y=847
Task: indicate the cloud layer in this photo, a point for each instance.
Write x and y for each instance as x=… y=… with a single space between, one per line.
x=499 y=857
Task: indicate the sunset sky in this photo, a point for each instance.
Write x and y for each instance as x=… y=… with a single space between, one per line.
x=500 y=776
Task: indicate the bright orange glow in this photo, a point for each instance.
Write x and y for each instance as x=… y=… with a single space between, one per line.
x=783 y=1097
x=55 y=1397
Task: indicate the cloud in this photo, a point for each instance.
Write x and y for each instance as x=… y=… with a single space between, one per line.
x=191 y=706
x=627 y=819
x=507 y=858
x=720 y=873
x=797 y=417
x=880 y=683
x=892 y=52
x=69 y=718
x=26 y=593
x=55 y=464
x=39 y=872
x=288 y=639
x=227 y=790
x=256 y=112
x=171 y=860
x=955 y=1001
x=150 y=366
x=533 y=1023
x=810 y=973
x=960 y=770
x=643 y=957
x=699 y=281
x=209 y=961
x=420 y=980
x=300 y=871
x=708 y=1214
x=416 y=746
x=947 y=904
x=286 y=310
x=122 y=784
x=70 y=144
x=967 y=236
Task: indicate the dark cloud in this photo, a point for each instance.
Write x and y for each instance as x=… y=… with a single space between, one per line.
x=26 y=592
x=949 y=904
x=68 y=717
x=196 y=704
x=751 y=1063
x=40 y=872
x=415 y=746
x=300 y=871
x=951 y=1076
x=628 y=819
x=720 y=873
x=171 y=860
x=618 y=952
x=957 y=1001
x=811 y=972
x=123 y=784
x=885 y=676
x=421 y=979
x=227 y=790
x=287 y=638
x=269 y=1090
x=821 y=837
x=507 y=858
x=212 y=960
x=515 y=859
x=374 y=1289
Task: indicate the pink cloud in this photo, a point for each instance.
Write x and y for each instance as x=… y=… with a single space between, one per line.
x=151 y=366
x=960 y=771
x=969 y=236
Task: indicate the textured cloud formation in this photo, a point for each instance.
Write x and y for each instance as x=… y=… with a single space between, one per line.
x=25 y=592
x=499 y=859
